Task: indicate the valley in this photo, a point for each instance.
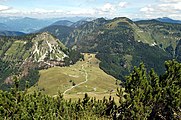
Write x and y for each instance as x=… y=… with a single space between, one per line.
x=76 y=80
x=91 y=69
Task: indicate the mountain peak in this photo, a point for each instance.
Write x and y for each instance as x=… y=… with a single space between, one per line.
x=119 y=21
x=123 y=19
x=100 y=20
x=45 y=36
x=168 y=20
x=47 y=46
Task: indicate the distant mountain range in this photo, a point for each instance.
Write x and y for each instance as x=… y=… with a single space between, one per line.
x=11 y=33
x=3 y=27
x=163 y=19
x=26 y=25
x=168 y=20
x=29 y=25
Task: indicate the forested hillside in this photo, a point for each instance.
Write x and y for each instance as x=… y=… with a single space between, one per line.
x=165 y=35
x=24 y=56
x=127 y=43
x=60 y=31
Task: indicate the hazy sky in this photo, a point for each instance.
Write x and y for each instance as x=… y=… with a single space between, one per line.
x=92 y=8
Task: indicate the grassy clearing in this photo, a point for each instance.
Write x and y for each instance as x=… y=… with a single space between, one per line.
x=15 y=46
x=56 y=79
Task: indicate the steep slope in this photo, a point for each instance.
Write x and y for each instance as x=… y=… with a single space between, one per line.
x=61 y=32
x=120 y=44
x=24 y=56
x=47 y=47
x=78 y=23
x=84 y=30
x=37 y=48
x=162 y=34
x=63 y=28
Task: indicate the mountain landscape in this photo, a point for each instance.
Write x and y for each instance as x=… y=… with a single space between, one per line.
x=11 y=33
x=124 y=42
x=29 y=25
x=63 y=23
x=168 y=20
x=22 y=55
x=95 y=57
x=25 y=24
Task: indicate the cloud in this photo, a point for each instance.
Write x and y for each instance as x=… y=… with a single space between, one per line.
x=171 y=6
x=108 y=7
x=4 y=8
x=123 y=4
x=111 y=10
x=165 y=8
x=147 y=9
x=43 y=13
x=170 y=1
x=105 y=10
x=80 y=12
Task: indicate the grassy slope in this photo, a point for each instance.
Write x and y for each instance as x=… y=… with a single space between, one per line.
x=58 y=78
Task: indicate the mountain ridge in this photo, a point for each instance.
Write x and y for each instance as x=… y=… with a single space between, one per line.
x=168 y=20
x=23 y=56
x=11 y=33
x=126 y=43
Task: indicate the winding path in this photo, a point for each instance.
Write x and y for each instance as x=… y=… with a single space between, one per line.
x=86 y=80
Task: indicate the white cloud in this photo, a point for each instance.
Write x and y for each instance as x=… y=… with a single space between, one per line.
x=165 y=8
x=171 y=6
x=81 y=12
x=147 y=9
x=40 y=12
x=111 y=10
x=108 y=7
x=106 y=10
x=123 y=4
x=171 y=1
x=3 y=7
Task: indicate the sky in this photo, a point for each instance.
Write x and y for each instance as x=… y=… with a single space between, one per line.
x=143 y=9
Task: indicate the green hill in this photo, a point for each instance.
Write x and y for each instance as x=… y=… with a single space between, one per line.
x=24 y=56
x=127 y=43
x=119 y=44
x=76 y=80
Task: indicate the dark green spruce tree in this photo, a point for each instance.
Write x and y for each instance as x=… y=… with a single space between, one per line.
x=149 y=96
